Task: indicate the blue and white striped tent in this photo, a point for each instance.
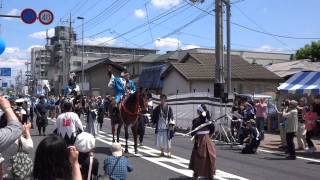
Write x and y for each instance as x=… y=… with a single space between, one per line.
x=302 y=83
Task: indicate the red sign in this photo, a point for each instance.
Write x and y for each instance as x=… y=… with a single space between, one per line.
x=28 y=16
x=46 y=17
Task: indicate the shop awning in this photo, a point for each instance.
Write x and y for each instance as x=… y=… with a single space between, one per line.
x=302 y=83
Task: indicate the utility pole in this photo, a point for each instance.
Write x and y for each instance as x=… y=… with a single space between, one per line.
x=219 y=41
x=228 y=5
x=82 y=63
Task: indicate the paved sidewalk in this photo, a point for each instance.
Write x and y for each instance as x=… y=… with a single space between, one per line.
x=272 y=142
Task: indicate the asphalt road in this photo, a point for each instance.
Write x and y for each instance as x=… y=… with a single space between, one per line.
x=230 y=163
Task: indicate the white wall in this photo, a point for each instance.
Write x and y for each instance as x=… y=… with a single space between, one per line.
x=174 y=81
x=184 y=107
x=202 y=86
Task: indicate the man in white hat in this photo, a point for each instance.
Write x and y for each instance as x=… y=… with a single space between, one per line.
x=117 y=166
x=89 y=165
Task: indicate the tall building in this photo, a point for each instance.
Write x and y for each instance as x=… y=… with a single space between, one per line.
x=40 y=60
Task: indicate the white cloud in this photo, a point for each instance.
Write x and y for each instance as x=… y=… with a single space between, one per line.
x=99 y=41
x=165 y=4
x=191 y=46
x=268 y=48
x=34 y=46
x=13 y=12
x=15 y=58
x=42 y=34
x=170 y=43
x=139 y=13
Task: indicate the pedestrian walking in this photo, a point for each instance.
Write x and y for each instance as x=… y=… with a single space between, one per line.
x=85 y=144
x=161 y=117
x=117 y=166
x=310 y=118
x=42 y=115
x=54 y=160
x=203 y=157
x=92 y=126
x=291 y=127
x=261 y=116
x=101 y=112
x=301 y=133
x=68 y=124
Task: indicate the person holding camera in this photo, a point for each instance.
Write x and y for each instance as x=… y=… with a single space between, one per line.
x=13 y=129
x=252 y=141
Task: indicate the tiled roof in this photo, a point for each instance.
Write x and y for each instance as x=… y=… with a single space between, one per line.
x=99 y=62
x=204 y=68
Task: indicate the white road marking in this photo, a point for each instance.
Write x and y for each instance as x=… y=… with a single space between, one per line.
x=298 y=157
x=161 y=161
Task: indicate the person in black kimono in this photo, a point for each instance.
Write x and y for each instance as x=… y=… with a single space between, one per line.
x=161 y=117
x=42 y=115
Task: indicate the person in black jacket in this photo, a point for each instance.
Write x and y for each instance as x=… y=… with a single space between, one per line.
x=161 y=117
x=252 y=141
x=203 y=157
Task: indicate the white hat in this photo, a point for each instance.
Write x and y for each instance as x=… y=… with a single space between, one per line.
x=21 y=100
x=116 y=149
x=85 y=142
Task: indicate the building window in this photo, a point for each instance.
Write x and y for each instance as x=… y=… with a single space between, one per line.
x=76 y=63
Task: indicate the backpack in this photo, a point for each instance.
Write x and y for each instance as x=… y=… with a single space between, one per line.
x=22 y=164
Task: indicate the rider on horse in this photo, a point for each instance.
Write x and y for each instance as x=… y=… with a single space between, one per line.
x=122 y=85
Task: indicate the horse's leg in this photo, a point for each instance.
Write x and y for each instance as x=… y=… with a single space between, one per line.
x=113 y=129
x=118 y=131
x=127 y=137
x=134 y=130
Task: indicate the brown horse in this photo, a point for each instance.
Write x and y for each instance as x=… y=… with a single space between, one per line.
x=116 y=120
x=129 y=111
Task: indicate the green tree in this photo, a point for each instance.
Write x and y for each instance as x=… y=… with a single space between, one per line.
x=310 y=51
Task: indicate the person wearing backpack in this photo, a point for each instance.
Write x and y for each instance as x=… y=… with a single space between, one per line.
x=117 y=166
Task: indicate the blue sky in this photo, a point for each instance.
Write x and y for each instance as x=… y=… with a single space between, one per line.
x=295 y=18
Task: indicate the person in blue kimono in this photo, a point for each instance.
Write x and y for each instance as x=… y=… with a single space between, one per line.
x=122 y=85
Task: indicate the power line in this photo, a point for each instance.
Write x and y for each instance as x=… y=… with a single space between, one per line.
x=260 y=27
x=258 y=31
x=151 y=35
x=141 y=25
x=105 y=10
x=200 y=16
x=90 y=8
x=109 y=14
x=75 y=6
x=165 y=20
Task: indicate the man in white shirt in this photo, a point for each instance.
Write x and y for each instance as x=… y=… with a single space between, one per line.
x=68 y=124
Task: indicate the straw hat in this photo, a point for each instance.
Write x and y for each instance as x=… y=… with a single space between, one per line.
x=116 y=149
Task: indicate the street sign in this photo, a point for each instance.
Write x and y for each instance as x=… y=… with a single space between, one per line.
x=5 y=71
x=4 y=84
x=46 y=17
x=28 y=16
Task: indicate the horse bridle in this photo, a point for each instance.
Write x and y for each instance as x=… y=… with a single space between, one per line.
x=137 y=107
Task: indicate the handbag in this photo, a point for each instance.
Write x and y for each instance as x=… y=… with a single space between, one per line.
x=22 y=164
